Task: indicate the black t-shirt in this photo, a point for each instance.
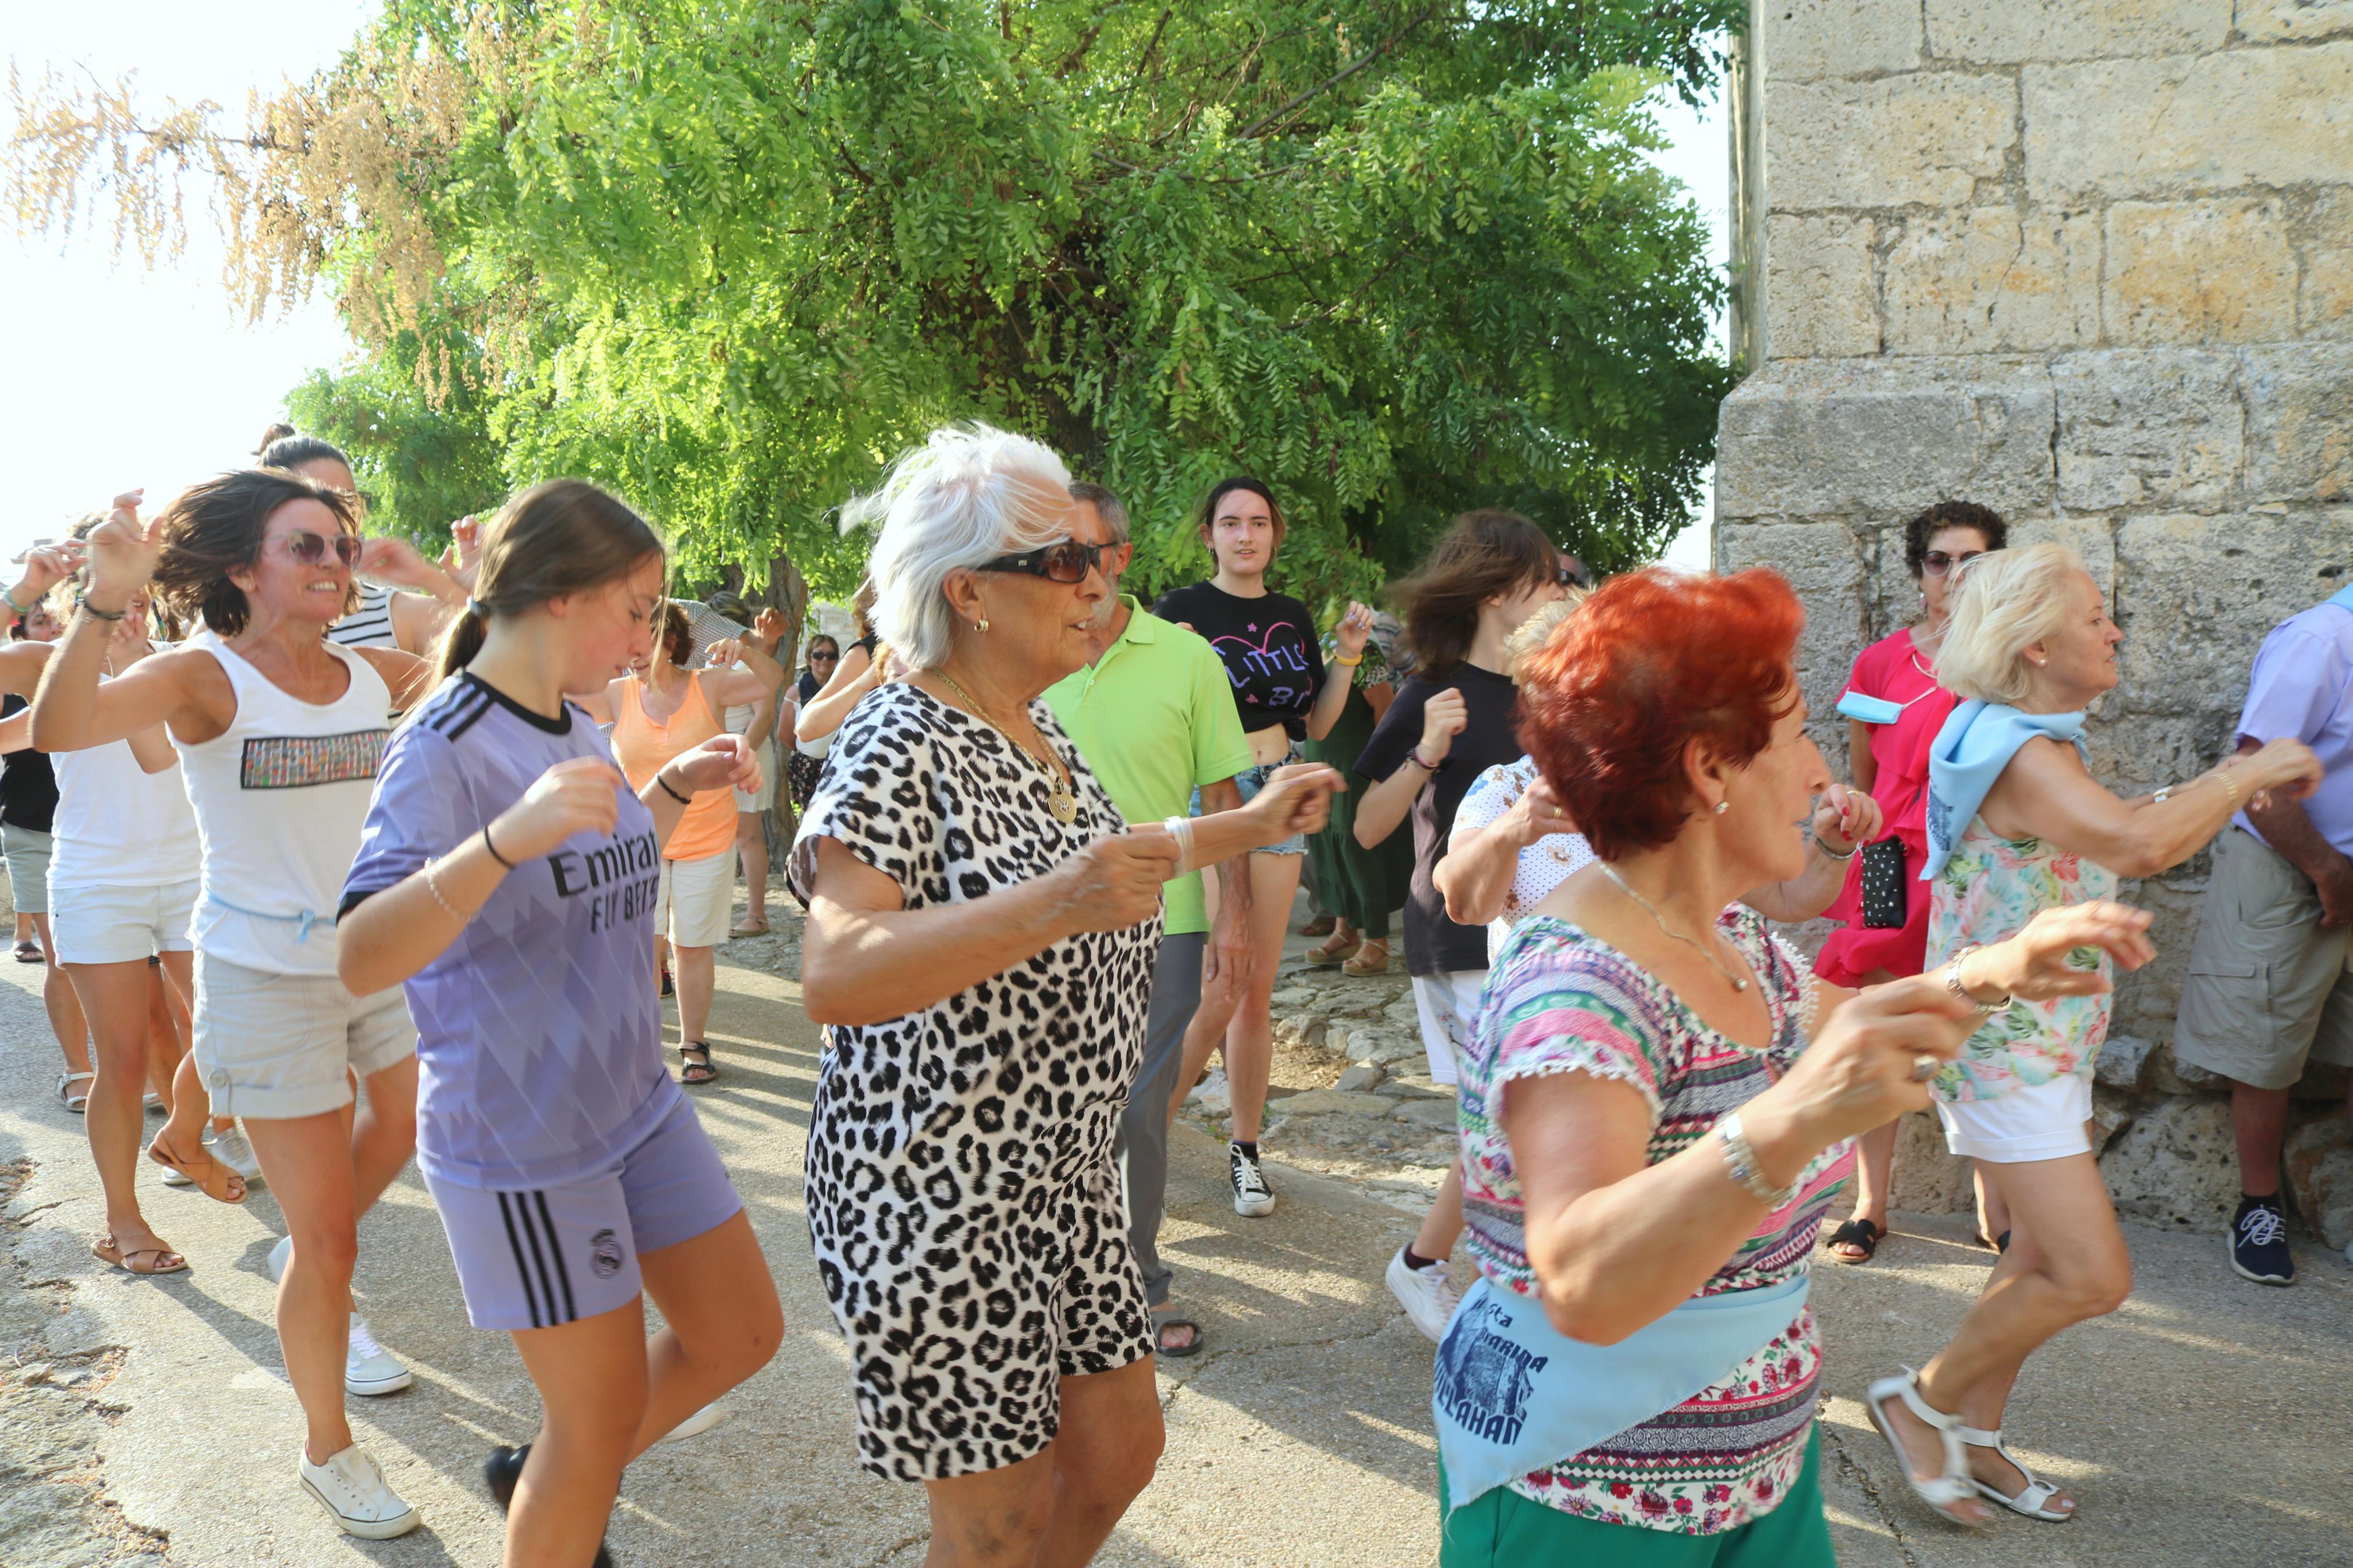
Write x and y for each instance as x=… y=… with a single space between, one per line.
x=1268 y=645
x=28 y=785
x=1434 y=945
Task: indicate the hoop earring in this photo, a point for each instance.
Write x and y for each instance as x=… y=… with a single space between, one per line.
x=981 y=625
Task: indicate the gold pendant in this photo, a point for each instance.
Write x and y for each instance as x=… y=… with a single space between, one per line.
x=1062 y=804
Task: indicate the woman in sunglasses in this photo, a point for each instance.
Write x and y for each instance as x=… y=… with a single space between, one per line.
x=809 y=756
x=280 y=734
x=980 y=942
x=1275 y=664
x=403 y=601
x=1893 y=708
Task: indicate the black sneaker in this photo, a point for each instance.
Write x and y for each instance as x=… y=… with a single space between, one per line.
x=2258 y=1243
x=1252 y=1196
x=503 y=1469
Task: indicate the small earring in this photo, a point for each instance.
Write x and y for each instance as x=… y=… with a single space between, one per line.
x=1721 y=806
x=981 y=625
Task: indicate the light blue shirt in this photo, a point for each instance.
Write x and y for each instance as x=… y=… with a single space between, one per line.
x=2302 y=688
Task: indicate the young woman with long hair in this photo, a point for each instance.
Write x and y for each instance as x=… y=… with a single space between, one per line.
x=1268 y=643
x=280 y=734
x=509 y=878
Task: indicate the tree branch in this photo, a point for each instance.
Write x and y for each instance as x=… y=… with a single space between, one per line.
x=1360 y=63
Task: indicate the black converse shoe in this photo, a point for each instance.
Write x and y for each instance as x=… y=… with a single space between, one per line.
x=1252 y=1196
x=2258 y=1243
x=503 y=1469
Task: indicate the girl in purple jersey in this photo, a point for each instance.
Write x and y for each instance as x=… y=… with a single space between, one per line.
x=506 y=877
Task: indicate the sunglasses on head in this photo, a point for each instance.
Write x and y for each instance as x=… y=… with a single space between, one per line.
x=305 y=548
x=1067 y=562
x=1937 y=562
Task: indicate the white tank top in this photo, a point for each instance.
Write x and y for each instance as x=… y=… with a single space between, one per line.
x=119 y=826
x=280 y=798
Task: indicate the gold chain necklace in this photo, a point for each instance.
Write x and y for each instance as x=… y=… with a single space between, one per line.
x=1737 y=982
x=1061 y=798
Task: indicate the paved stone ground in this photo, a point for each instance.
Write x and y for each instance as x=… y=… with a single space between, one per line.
x=145 y=1420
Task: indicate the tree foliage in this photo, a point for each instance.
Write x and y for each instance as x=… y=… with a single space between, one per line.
x=1397 y=257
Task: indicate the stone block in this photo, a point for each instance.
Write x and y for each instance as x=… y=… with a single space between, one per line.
x=1437 y=1115
x=2319 y=1171
x=2143 y=428
x=2111 y=1114
x=1927 y=1178
x=1329 y=1102
x=2006 y=32
x=2089 y=537
x=2123 y=1063
x=2281 y=20
x=2299 y=421
x=2197 y=595
x=1925 y=138
x=1808 y=39
x=1993 y=280
x=1881 y=440
x=2186 y=123
x=2324 y=239
x=1360 y=1079
x=2200 y=272
x=2169 y=1075
x=2175 y=1164
x=1820 y=561
x=1818 y=287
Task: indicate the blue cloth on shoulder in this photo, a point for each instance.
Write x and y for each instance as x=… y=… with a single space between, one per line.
x=1971 y=752
x=1513 y=1394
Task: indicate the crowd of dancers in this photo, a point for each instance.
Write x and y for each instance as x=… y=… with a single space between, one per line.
x=355 y=857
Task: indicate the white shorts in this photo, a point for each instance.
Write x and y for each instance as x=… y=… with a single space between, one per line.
x=695 y=900
x=120 y=925
x=765 y=796
x=1447 y=1003
x=276 y=1046
x=2042 y=1122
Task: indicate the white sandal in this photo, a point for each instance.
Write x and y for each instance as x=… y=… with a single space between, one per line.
x=77 y=1103
x=1941 y=1491
x=2034 y=1499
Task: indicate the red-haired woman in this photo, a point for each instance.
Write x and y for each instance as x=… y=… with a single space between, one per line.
x=1681 y=1092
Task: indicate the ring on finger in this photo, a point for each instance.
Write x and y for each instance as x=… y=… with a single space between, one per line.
x=1924 y=1067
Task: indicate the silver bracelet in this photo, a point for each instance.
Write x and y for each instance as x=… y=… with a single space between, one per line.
x=1180 y=829
x=1953 y=983
x=1832 y=854
x=434 y=888
x=1740 y=1163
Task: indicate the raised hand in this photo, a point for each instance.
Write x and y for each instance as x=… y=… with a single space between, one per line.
x=1296 y=798
x=2051 y=956
x=122 y=551
x=1536 y=816
x=1861 y=1070
x=723 y=653
x=1354 y=627
x=1845 y=817
x=1443 y=719
x=1115 y=880
x=465 y=562
x=723 y=761
x=578 y=795
x=46 y=568
x=769 y=626
x=395 y=560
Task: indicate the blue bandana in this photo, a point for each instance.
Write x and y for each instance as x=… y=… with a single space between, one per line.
x=1976 y=744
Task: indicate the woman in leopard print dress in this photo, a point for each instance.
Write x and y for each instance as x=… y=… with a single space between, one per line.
x=980 y=940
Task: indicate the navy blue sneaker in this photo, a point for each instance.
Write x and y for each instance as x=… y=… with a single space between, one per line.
x=2258 y=1243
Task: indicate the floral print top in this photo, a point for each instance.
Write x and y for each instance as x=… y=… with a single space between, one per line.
x=1987 y=892
x=1559 y=1001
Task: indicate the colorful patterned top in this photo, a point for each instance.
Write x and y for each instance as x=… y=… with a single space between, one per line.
x=1987 y=892
x=1561 y=1001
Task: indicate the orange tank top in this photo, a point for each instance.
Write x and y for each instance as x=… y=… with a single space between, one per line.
x=643 y=748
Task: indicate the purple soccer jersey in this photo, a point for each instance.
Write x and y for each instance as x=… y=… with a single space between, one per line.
x=539 y=1031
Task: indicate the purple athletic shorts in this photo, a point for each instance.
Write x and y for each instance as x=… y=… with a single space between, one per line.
x=548 y=1255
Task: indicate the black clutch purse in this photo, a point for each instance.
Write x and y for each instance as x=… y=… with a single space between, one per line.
x=1885 y=900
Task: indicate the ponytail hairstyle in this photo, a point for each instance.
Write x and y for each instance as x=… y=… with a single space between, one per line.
x=282 y=446
x=212 y=528
x=1219 y=492
x=1485 y=553
x=563 y=537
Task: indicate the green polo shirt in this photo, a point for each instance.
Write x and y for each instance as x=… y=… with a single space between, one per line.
x=1155 y=718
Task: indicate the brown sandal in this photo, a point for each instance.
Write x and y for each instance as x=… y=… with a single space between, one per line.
x=218 y=1182
x=1324 y=955
x=106 y=1250
x=1361 y=966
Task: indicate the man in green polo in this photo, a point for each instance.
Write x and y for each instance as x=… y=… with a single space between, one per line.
x=1154 y=716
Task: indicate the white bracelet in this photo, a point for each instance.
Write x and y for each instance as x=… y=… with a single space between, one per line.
x=1180 y=829
x=434 y=888
x=1740 y=1163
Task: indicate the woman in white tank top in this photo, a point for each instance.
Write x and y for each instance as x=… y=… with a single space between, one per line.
x=280 y=734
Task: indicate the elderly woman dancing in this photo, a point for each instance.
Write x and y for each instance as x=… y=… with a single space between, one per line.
x=2017 y=827
x=980 y=942
x=1656 y=1105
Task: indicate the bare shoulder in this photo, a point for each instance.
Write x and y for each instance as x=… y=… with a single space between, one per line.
x=409 y=676
x=21 y=664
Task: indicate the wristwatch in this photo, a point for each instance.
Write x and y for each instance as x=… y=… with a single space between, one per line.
x=1740 y=1163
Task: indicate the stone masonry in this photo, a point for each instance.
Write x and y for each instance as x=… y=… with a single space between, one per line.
x=2089 y=262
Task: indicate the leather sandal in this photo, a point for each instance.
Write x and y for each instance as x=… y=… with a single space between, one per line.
x=1951 y=1485
x=2034 y=1499
x=218 y=1182
x=1372 y=958
x=1164 y=1319
x=106 y=1250
x=694 y=1063
x=1862 y=1233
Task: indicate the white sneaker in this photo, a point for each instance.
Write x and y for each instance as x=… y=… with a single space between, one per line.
x=368 y=1367
x=694 y=1425
x=350 y=1487
x=1427 y=1294
x=175 y=1177
x=1252 y=1196
x=280 y=1256
x=231 y=1150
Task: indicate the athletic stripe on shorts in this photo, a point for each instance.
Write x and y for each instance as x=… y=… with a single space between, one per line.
x=541 y=1285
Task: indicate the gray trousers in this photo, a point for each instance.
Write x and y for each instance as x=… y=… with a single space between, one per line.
x=1142 y=1146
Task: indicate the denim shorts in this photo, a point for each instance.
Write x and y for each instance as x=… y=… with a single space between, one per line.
x=1250 y=781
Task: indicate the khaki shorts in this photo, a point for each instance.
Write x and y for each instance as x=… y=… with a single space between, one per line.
x=695 y=900
x=765 y=796
x=2268 y=987
x=277 y=1046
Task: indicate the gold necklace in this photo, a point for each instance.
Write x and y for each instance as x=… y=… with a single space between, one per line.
x=1061 y=798
x=1737 y=983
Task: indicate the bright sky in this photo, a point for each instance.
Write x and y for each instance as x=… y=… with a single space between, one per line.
x=118 y=377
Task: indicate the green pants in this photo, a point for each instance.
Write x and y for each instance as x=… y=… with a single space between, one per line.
x=1503 y=1530
x=1360 y=884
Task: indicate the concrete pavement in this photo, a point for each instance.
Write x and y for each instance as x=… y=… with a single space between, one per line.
x=2205 y=1423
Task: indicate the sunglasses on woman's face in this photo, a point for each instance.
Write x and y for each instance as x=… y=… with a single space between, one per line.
x=1937 y=562
x=1068 y=562
x=305 y=548
x=823 y=657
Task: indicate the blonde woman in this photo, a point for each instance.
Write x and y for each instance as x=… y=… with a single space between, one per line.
x=2018 y=826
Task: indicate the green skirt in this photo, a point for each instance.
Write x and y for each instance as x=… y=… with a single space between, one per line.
x=1504 y=1529
x=1361 y=885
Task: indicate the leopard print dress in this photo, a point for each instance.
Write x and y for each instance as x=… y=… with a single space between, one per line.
x=961 y=1189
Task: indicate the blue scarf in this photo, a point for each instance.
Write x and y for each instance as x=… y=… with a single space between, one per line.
x=1513 y=1394
x=1976 y=744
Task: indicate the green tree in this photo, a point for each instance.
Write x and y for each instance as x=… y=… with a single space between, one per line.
x=1396 y=257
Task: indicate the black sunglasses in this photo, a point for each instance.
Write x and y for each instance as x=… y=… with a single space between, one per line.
x=1067 y=562
x=1937 y=562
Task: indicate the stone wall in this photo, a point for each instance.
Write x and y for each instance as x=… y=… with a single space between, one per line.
x=2089 y=262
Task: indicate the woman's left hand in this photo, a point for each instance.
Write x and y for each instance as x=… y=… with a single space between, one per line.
x=768 y=628
x=723 y=653
x=1845 y=817
x=2041 y=961
x=1356 y=627
x=723 y=762
x=1295 y=799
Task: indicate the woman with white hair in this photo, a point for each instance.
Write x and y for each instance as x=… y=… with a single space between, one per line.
x=979 y=947
x=2017 y=824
